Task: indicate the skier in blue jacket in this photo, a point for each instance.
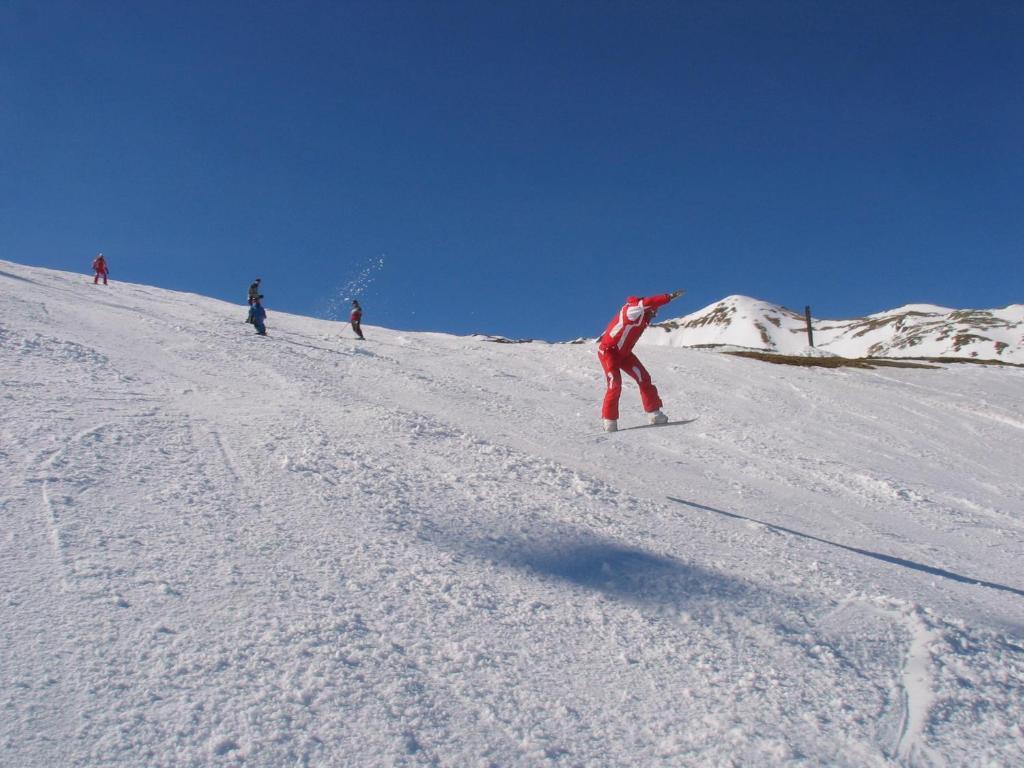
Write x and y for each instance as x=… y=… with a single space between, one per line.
x=258 y=314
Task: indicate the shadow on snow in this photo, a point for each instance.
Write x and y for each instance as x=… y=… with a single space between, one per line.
x=658 y=426
x=929 y=569
x=17 y=277
x=616 y=570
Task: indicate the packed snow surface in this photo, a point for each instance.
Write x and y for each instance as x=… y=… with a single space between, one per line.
x=221 y=549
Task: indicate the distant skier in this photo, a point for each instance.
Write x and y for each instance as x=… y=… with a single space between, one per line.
x=254 y=292
x=258 y=315
x=357 y=318
x=99 y=266
x=615 y=351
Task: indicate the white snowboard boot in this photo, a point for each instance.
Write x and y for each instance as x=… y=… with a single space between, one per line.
x=611 y=425
x=657 y=417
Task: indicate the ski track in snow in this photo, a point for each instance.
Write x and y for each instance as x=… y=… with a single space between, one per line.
x=303 y=550
x=918 y=697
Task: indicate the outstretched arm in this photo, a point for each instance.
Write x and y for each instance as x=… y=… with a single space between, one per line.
x=661 y=299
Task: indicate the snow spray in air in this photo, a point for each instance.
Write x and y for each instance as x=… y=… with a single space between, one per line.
x=337 y=304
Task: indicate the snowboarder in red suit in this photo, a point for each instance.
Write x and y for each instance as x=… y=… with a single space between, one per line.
x=99 y=266
x=357 y=318
x=615 y=351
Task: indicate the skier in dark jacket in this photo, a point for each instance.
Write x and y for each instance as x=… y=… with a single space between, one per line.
x=357 y=318
x=258 y=315
x=254 y=292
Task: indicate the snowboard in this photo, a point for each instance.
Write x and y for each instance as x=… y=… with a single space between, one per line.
x=677 y=423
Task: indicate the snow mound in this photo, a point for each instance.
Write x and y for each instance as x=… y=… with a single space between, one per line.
x=816 y=352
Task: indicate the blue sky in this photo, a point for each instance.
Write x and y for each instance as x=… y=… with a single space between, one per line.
x=520 y=167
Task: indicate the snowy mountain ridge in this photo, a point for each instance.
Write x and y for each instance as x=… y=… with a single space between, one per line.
x=220 y=549
x=914 y=330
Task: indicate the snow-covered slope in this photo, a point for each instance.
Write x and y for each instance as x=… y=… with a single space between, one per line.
x=219 y=549
x=915 y=330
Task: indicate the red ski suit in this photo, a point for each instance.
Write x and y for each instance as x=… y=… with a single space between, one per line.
x=615 y=351
x=357 y=320
x=99 y=266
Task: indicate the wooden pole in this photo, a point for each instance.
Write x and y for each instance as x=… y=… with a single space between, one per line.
x=810 y=331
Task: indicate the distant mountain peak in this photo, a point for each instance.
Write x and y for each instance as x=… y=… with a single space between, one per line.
x=912 y=330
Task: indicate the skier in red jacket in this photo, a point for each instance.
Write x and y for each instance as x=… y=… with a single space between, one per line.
x=99 y=266
x=615 y=351
x=356 y=318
